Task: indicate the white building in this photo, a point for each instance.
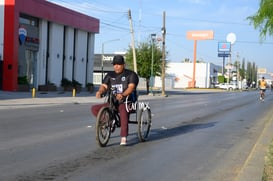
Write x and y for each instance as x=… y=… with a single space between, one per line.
x=179 y=75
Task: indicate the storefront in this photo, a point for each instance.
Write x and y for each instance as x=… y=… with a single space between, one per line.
x=42 y=43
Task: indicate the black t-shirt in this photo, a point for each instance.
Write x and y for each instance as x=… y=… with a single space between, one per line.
x=121 y=81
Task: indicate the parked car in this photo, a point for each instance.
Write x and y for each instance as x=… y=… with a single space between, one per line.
x=227 y=86
x=221 y=86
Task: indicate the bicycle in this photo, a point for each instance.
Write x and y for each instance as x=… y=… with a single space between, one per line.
x=108 y=119
x=262 y=95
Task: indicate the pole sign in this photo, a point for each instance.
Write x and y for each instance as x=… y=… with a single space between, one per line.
x=198 y=35
x=224 y=49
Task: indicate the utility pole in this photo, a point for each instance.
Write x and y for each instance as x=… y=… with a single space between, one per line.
x=153 y=36
x=163 y=30
x=133 y=41
x=102 y=56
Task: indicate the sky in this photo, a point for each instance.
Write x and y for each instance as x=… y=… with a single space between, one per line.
x=222 y=17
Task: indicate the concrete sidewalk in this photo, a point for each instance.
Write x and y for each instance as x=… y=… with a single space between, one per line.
x=10 y=100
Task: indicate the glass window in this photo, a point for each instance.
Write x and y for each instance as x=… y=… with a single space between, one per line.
x=29 y=20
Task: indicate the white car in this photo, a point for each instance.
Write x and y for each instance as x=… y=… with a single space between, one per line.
x=221 y=86
x=227 y=86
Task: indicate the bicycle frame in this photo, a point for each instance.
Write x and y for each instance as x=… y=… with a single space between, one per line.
x=114 y=111
x=108 y=119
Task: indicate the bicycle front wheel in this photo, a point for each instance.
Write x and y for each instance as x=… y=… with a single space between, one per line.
x=103 y=126
x=144 y=120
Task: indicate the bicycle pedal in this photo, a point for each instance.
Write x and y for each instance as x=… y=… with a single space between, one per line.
x=113 y=128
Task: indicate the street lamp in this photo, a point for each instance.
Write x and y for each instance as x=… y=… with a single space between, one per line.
x=153 y=37
x=102 y=55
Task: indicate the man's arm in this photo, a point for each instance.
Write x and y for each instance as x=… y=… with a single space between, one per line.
x=102 y=90
x=129 y=90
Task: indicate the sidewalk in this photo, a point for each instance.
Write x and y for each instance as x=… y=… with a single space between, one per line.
x=10 y=100
x=23 y=99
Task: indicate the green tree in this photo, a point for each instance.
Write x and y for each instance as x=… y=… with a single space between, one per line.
x=248 y=71
x=254 y=72
x=237 y=67
x=144 y=61
x=251 y=72
x=263 y=18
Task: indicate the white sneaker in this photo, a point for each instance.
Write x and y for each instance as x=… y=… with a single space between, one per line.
x=123 y=141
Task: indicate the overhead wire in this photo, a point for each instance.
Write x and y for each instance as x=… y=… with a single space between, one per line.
x=117 y=23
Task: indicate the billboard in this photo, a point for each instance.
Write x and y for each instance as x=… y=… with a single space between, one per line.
x=261 y=71
x=200 y=35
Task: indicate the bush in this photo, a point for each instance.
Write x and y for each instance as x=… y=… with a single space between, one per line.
x=22 y=80
x=66 y=82
x=221 y=79
x=76 y=83
x=89 y=85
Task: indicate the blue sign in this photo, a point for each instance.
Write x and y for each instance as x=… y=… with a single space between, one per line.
x=22 y=35
x=224 y=47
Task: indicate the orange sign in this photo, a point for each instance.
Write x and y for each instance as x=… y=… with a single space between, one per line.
x=200 y=35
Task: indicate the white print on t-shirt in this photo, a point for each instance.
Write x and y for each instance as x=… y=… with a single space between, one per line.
x=118 y=88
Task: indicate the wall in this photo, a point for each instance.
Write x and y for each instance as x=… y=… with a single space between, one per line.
x=68 y=52
x=41 y=65
x=1 y=28
x=91 y=58
x=178 y=75
x=80 y=54
x=55 y=53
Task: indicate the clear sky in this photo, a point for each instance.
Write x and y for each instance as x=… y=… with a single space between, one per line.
x=222 y=17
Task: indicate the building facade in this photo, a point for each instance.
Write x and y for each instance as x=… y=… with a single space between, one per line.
x=44 y=43
x=179 y=75
x=102 y=65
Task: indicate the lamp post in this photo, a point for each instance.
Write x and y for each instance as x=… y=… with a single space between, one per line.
x=102 y=55
x=153 y=36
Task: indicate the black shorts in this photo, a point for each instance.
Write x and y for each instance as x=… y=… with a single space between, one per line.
x=263 y=90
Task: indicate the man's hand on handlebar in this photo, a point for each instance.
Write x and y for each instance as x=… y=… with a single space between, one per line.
x=119 y=97
x=99 y=94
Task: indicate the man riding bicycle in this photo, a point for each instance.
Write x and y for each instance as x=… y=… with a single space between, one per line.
x=125 y=83
x=262 y=85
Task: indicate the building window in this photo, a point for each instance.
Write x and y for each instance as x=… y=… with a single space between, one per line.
x=29 y=20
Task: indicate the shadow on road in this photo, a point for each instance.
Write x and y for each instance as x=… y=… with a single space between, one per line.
x=163 y=133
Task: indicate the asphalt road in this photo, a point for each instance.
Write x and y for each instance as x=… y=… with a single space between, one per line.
x=195 y=136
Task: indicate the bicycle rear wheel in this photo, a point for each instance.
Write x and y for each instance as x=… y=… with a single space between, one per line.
x=144 y=120
x=103 y=126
